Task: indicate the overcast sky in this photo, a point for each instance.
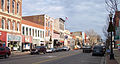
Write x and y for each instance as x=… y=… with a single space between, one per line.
x=82 y=14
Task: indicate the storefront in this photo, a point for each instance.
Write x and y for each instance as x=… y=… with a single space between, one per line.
x=14 y=42
x=3 y=38
x=26 y=43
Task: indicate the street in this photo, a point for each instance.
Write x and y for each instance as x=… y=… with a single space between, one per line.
x=65 y=57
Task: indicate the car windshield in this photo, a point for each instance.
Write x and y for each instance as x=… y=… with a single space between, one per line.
x=1 y=49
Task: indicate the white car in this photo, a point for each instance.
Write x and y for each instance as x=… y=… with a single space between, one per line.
x=50 y=50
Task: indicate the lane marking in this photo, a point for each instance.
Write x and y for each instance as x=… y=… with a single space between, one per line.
x=54 y=58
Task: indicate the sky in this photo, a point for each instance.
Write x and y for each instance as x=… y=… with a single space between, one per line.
x=82 y=14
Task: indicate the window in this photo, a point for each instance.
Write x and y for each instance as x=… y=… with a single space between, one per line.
x=13 y=6
x=48 y=33
x=8 y=6
x=13 y=26
x=48 y=24
x=2 y=5
x=33 y=31
x=8 y=25
x=41 y=34
x=23 y=30
x=17 y=8
x=18 y=26
x=30 y=31
x=3 y=24
x=26 y=30
x=38 y=34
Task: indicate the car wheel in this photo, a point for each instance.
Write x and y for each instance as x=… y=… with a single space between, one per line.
x=6 y=55
x=31 y=53
x=92 y=54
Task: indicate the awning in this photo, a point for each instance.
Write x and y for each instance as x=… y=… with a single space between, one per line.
x=61 y=41
x=118 y=44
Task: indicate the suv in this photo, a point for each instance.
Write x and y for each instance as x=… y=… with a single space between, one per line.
x=38 y=50
x=5 y=52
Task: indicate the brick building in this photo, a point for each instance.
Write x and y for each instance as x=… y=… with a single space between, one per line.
x=10 y=23
x=32 y=35
x=116 y=22
x=47 y=22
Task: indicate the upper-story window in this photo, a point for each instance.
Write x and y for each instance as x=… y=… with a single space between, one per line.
x=43 y=34
x=13 y=25
x=18 y=25
x=2 y=4
x=26 y=30
x=33 y=32
x=30 y=32
x=8 y=6
x=48 y=24
x=3 y=24
x=13 y=6
x=23 y=30
x=8 y=24
x=38 y=33
x=48 y=33
x=18 y=8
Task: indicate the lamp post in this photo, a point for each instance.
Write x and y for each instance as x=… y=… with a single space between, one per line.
x=110 y=29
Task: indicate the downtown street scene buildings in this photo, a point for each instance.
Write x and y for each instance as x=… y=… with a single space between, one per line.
x=24 y=33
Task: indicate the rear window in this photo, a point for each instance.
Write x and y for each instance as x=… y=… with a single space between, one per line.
x=97 y=47
x=2 y=49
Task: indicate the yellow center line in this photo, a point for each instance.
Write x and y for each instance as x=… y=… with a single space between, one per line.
x=54 y=58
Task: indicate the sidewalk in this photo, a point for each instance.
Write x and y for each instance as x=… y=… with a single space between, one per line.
x=19 y=53
x=116 y=60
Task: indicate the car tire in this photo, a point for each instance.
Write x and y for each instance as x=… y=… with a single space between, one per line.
x=6 y=55
x=92 y=54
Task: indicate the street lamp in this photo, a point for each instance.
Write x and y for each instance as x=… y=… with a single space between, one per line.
x=111 y=29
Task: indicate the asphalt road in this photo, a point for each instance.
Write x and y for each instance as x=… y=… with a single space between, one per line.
x=69 y=57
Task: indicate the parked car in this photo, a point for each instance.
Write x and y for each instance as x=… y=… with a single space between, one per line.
x=58 y=49
x=50 y=50
x=87 y=49
x=98 y=50
x=65 y=49
x=38 y=50
x=5 y=52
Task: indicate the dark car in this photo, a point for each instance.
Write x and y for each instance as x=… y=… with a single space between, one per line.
x=5 y=52
x=98 y=50
x=38 y=50
x=65 y=48
x=87 y=49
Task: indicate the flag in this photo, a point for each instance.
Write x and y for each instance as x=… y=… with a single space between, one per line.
x=66 y=18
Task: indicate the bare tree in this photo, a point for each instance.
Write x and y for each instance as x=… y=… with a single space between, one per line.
x=93 y=36
x=112 y=5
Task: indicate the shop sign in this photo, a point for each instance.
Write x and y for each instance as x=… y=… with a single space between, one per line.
x=14 y=38
x=0 y=33
x=27 y=39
